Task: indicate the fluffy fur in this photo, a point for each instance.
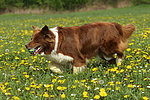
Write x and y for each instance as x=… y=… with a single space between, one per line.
x=72 y=46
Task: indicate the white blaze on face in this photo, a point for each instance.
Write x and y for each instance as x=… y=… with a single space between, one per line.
x=55 y=32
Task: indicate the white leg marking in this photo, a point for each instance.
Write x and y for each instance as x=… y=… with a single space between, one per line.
x=55 y=68
x=118 y=61
x=77 y=70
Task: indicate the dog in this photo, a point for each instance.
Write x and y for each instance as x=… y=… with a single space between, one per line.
x=74 y=46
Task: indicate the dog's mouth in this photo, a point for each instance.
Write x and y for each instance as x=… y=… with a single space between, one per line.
x=35 y=50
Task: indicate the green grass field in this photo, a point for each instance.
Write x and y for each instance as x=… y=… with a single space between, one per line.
x=25 y=77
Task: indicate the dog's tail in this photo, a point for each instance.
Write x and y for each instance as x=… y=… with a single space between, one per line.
x=125 y=31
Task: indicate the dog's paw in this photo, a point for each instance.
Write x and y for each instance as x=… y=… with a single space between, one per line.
x=55 y=69
x=77 y=70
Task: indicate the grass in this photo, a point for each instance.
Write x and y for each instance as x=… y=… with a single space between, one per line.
x=25 y=77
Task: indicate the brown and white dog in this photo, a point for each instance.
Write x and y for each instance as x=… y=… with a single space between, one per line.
x=73 y=46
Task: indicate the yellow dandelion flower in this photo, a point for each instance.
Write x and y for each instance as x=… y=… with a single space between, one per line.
x=118 y=64
x=129 y=49
x=85 y=96
x=64 y=88
x=22 y=50
x=13 y=78
x=32 y=92
x=117 y=88
x=16 y=57
x=145 y=98
x=94 y=69
x=83 y=81
x=6 y=83
x=144 y=71
x=102 y=90
x=27 y=88
x=61 y=81
x=141 y=89
x=45 y=95
x=103 y=94
x=76 y=81
x=126 y=96
x=114 y=75
x=61 y=88
x=24 y=73
x=73 y=86
x=52 y=96
x=129 y=67
x=125 y=79
x=85 y=93
x=32 y=85
x=130 y=86
x=38 y=87
x=134 y=71
x=4 y=91
x=54 y=80
x=131 y=43
x=145 y=79
x=148 y=58
x=26 y=76
x=47 y=85
x=9 y=88
x=118 y=82
x=128 y=75
x=110 y=82
x=122 y=70
x=8 y=93
x=131 y=81
x=16 y=98
x=96 y=97
x=63 y=95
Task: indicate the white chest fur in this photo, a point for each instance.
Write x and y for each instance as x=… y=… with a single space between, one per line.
x=57 y=57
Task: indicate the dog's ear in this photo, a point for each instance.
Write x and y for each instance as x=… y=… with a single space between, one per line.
x=47 y=34
x=35 y=28
x=45 y=30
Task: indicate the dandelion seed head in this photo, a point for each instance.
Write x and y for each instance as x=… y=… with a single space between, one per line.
x=6 y=50
x=101 y=82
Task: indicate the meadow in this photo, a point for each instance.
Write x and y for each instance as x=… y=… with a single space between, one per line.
x=24 y=77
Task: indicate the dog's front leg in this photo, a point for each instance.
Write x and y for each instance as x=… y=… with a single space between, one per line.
x=56 y=68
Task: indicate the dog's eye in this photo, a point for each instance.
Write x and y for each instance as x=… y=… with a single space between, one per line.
x=37 y=41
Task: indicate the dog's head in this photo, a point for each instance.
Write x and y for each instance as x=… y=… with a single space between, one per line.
x=42 y=40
